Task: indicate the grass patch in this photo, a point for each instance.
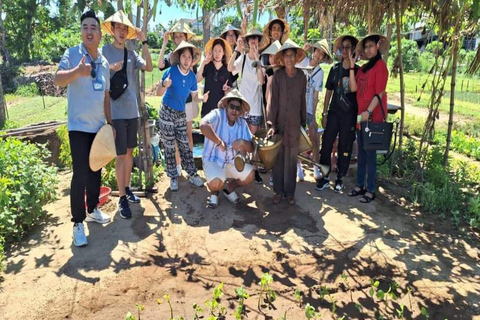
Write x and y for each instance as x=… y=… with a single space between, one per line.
x=31 y=110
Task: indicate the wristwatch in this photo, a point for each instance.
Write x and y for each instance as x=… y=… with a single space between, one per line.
x=369 y=113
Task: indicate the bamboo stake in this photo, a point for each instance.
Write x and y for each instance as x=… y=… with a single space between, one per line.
x=402 y=81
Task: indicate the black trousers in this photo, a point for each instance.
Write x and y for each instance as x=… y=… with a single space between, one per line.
x=341 y=124
x=83 y=178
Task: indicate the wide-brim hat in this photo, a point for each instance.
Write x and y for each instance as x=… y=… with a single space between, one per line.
x=103 y=148
x=289 y=44
x=323 y=45
x=228 y=48
x=273 y=48
x=253 y=32
x=383 y=44
x=266 y=32
x=235 y=94
x=175 y=56
x=338 y=42
x=119 y=17
x=229 y=27
x=182 y=26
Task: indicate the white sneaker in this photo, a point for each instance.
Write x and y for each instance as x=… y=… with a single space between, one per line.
x=79 y=238
x=179 y=170
x=300 y=174
x=196 y=180
x=174 y=184
x=98 y=216
x=270 y=182
x=317 y=175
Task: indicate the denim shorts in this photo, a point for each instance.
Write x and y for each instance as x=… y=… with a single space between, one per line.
x=310 y=118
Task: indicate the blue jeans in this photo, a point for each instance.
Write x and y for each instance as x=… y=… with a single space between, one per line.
x=367 y=164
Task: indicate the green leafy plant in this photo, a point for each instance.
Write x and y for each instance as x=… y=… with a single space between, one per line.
x=425 y=313
x=197 y=310
x=311 y=312
x=266 y=292
x=298 y=297
x=29 y=90
x=242 y=295
x=215 y=309
x=65 y=155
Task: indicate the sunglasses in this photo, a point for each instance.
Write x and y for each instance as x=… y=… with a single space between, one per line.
x=346 y=48
x=236 y=107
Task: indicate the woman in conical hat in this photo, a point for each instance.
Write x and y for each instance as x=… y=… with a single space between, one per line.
x=218 y=80
x=339 y=112
x=249 y=67
x=275 y=30
x=231 y=34
x=314 y=73
x=179 y=82
x=370 y=84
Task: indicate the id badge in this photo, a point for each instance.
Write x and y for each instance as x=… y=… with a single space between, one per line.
x=97 y=85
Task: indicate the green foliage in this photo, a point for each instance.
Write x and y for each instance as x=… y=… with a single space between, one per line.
x=410 y=54
x=52 y=45
x=310 y=312
x=215 y=309
x=474 y=211
x=2 y=254
x=242 y=295
x=9 y=73
x=9 y=124
x=23 y=192
x=265 y=291
x=435 y=47
x=152 y=111
x=154 y=40
x=65 y=155
x=30 y=90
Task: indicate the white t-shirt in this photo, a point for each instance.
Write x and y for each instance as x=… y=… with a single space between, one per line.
x=249 y=85
x=314 y=82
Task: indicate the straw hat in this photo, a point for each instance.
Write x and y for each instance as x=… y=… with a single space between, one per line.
x=273 y=48
x=253 y=32
x=103 y=148
x=234 y=94
x=323 y=45
x=228 y=49
x=175 y=56
x=338 y=42
x=266 y=32
x=229 y=27
x=383 y=45
x=119 y=17
x=289 y=44
x=182 y=26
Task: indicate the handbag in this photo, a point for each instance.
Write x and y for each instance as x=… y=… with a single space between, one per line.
x=119 y=81
x=377 y=135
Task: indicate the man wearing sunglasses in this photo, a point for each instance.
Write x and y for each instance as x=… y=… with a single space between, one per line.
x=86 y=73
x=226 y=136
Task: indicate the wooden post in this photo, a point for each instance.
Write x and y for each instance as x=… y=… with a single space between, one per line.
x=402 y=83
x=3 y=106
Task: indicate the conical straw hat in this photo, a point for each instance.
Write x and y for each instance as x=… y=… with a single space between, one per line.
x=235 y=94
x=323 y=45
x=289 y=44
x=175 y=56
x=182 y=26
x=228 y=49
x=103 y=148
x=338 y=43
x=266 y=36
x=273 y=48
x=383 y=44
x=229 y=27
x=119 y=17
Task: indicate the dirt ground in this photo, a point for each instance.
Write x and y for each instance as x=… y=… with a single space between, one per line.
x=175 y=245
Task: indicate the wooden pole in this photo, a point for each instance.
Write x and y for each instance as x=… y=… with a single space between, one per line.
x=402 y=82
x=452 y=101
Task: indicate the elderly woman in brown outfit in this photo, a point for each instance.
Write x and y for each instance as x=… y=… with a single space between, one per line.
x=286 y=114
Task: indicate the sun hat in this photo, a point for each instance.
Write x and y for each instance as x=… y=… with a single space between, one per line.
x=119 y=17
x=289 y=44
x=338 y=43
x=266 y=32
x=182 y=27
x=229 y=27
x=175 y=56
x=383 y=44
x=273 y=48
x=103 y=148
x=227 y=48
x=234 y=94
x=323 y=45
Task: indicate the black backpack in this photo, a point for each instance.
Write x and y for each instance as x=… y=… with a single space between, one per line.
x=119 y=81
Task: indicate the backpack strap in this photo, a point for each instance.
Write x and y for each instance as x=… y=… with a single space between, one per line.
x=125 y=56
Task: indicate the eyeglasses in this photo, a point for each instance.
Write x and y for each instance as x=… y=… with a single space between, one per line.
x=236 y=107
x=346 y=48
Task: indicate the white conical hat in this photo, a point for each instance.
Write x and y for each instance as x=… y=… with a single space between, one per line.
x=103 y=148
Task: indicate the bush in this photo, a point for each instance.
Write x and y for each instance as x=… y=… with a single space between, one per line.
x=52 y=46
x=65 y=155
x=9 y=74
x=410 y=54
x=29 y=90
x=23 y=192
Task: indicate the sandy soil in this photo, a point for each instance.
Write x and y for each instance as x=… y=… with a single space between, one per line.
x=175 y=245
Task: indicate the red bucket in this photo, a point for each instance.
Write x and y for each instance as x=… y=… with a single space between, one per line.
x=103 y=198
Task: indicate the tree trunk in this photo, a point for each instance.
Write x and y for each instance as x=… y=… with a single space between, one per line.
x=4 y=49
x=139 y=16
x=402 y=82
x=206 y=25
x=3 y=106
x=389 y=31
x=31 y=9
x=452 y=101
x=120 y=5
x=306 y=19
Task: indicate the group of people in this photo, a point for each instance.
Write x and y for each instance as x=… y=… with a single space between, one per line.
x=252 y=81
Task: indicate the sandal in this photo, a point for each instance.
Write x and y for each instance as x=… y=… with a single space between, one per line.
x=232 y=196
x=291 y=200
x=357 y=192
x=212 y=202
x=367 y=199
x=277 y=198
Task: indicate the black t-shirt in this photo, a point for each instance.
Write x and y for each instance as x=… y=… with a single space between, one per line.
x=338 y=78
x=214 y=82
x=167 y=63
